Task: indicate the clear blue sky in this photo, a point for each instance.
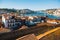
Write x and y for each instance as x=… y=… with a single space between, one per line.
x=30 y=4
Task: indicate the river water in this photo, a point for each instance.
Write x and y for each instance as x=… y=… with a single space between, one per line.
x=41 y=14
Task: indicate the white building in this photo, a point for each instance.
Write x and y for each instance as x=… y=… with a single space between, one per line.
x=4 y=20
x=8 y=22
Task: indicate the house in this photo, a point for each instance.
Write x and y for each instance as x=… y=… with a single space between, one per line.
x=10 y=22
x=53 y=21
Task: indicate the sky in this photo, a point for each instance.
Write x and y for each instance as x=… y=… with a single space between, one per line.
x=30 y=4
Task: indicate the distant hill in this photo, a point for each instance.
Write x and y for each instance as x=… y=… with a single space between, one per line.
x=5 y=10
x=26 y=11
x=50 y=11
x=55 y=12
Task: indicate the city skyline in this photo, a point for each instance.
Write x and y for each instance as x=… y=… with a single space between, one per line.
x=30 y=4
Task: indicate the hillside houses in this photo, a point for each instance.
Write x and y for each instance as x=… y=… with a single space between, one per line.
x=57 y=12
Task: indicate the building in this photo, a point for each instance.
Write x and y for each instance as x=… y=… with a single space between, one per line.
x=53 y=21
x=10 y=22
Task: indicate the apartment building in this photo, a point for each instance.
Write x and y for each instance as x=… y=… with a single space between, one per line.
x=10 y=22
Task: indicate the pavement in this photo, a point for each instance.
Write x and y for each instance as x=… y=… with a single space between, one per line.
x=45 y=36
x=28 y=37
x=47 y=33
x=39 y=29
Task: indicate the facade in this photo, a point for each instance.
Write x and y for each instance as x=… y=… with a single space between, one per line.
x=10 y=22
x=52 y=21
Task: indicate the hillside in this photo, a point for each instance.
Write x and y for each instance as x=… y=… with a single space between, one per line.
x=5 y=10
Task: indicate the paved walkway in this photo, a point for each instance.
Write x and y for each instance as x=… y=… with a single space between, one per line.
x=46 y=33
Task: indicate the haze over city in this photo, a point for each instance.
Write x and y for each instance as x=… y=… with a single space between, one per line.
x=30 y=4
